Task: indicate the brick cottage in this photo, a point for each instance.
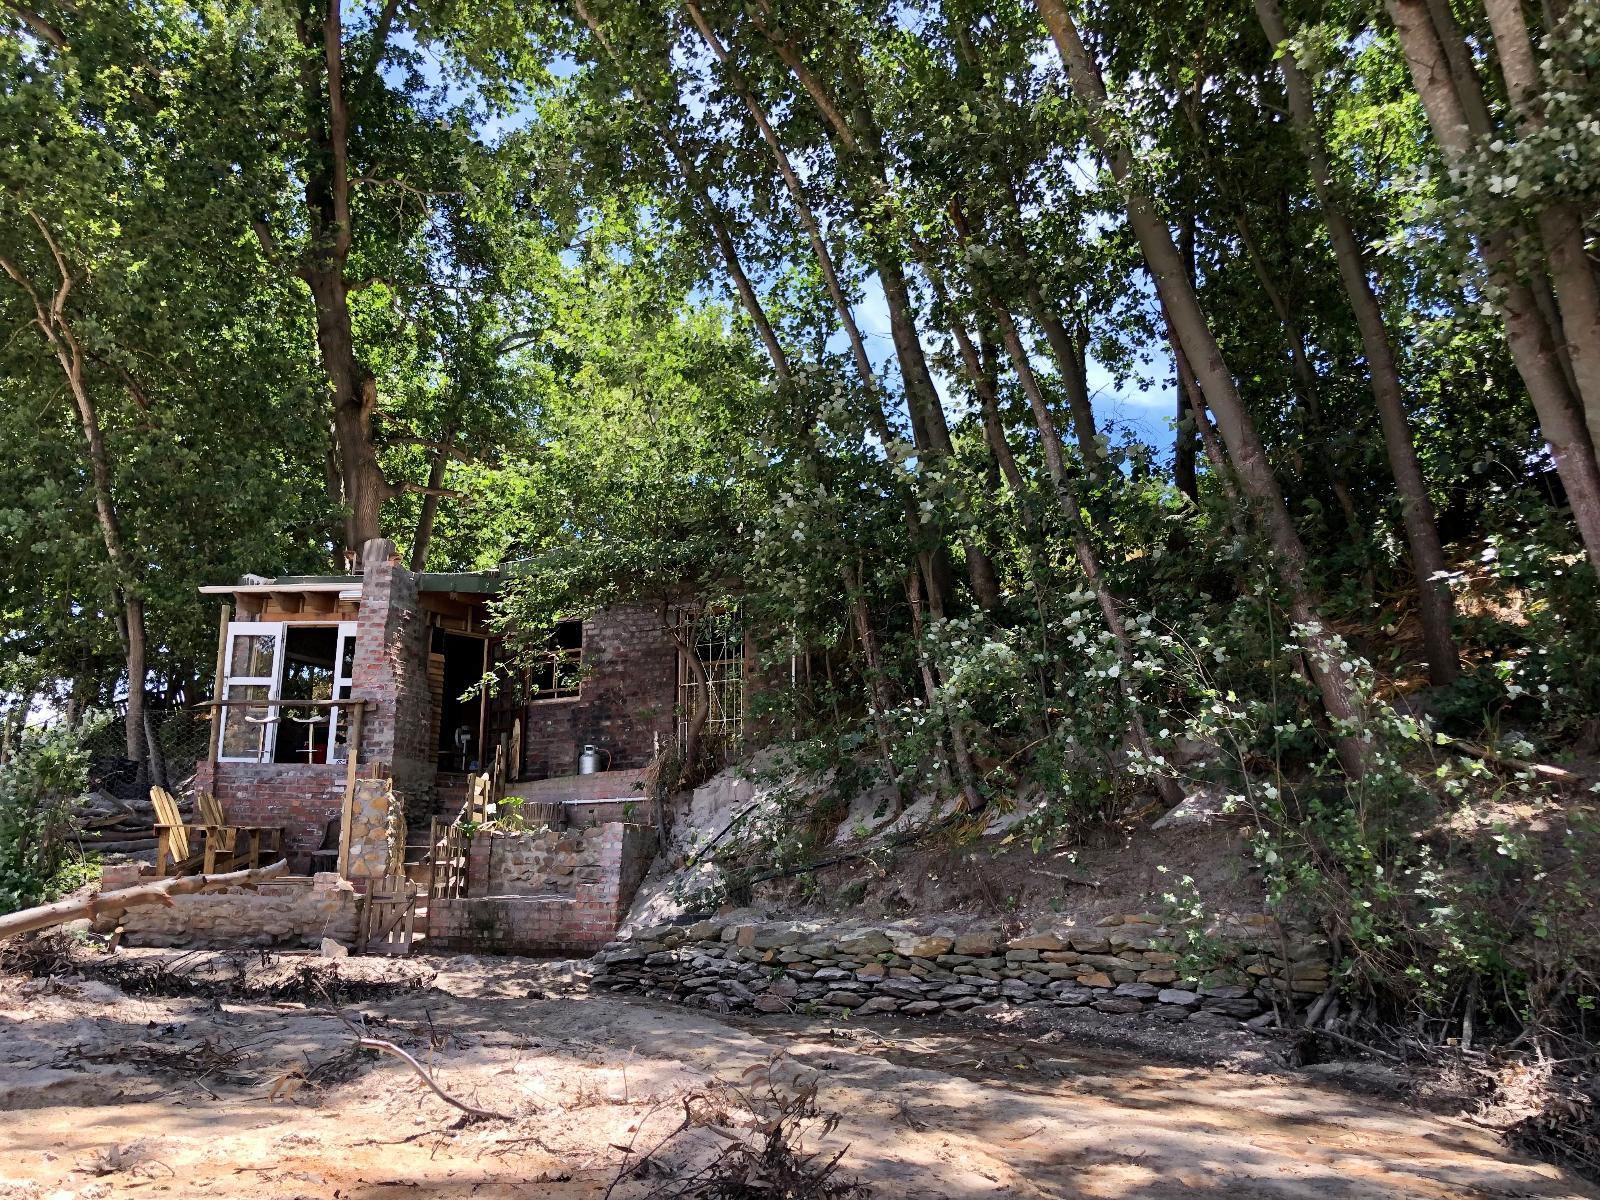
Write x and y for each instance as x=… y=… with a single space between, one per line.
x=297 y=654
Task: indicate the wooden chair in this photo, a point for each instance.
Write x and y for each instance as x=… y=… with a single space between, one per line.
x=234 y=847
x=326 y=856
x=172 y=836
x=211 y=844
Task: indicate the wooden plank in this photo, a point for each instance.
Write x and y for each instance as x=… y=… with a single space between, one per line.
x=483 y=710
x=347 y=810
x=217 y=687
x=281 y=703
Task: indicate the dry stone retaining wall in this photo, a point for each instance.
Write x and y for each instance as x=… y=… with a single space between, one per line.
x=1122 y=964
x=283 y=912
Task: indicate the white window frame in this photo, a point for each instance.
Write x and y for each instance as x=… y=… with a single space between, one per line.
x=269 y=730
x=336 y=714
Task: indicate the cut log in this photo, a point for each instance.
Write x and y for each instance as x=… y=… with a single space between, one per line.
x=131 y=846
x=159 y=892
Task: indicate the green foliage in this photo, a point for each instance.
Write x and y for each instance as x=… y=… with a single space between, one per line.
x=594 y=318
x=46 y=773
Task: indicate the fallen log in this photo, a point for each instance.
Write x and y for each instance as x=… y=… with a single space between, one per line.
x=159 y=892
x=128 y=846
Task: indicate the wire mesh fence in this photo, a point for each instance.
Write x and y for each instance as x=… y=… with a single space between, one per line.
x=181 y=738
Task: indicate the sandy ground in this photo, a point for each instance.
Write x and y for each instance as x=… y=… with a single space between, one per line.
x=94 y=1107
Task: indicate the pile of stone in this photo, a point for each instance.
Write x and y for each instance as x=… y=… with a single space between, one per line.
x=1118 y=964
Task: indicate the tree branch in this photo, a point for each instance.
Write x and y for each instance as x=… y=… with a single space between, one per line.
x=11 y=269
x=380 y=40
x=422 y=489
x=38 y=25
x=98 y=902
x=263 y=231
x=447 y=448
x=58 y=305
x=518 y=340
x=421 y=193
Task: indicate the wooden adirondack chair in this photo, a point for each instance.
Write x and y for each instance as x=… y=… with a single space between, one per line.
x=234 y=847
x=173 y=845
x=210 y=844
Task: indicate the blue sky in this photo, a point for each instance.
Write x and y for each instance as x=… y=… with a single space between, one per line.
x=1142 y=406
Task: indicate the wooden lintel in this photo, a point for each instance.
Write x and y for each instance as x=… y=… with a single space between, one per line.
x=289 y=602
x=251 y=605
x=321 y=602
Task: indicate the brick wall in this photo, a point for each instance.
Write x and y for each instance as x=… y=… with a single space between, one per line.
x=629 y=690
x=615 y=859
x=391 y=673
x=391 y=669
x=300 y=798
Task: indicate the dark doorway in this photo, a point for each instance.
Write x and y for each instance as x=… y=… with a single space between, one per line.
x=460 y=721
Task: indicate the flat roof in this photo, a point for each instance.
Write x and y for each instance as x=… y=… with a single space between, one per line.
x=482 y=583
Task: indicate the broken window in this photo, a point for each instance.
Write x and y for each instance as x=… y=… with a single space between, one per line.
x=558 y=675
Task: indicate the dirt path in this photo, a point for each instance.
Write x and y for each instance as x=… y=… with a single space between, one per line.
x=95 y=1108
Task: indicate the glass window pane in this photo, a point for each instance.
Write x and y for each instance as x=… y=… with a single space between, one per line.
x=253 y=654
x=243 y=728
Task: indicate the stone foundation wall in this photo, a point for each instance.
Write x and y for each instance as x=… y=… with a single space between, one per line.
x=614 y=859
x=284 y=913
x=1128 y=964
x=547 y=863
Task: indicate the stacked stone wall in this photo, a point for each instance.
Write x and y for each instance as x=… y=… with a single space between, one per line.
x=546 y=863
x=283 y=913
x=521 y=901
x=377 y=830
x=1118 y=965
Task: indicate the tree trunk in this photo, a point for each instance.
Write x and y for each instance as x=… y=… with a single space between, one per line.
x=1216 y=456
x=927 y=415
x=354 y=396
x=156 y=763
x=1339 y=697
x=97 y=903
x=695 y=727
x=1068 y=352
x=1306 y=385
x=1088 y=562
x=50 y=317
x=430 y=508
x=353 y=391
x=872 y=674
x=1560 y=226
x=971 y=799
x=1435 y=605
x=1450 y=115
